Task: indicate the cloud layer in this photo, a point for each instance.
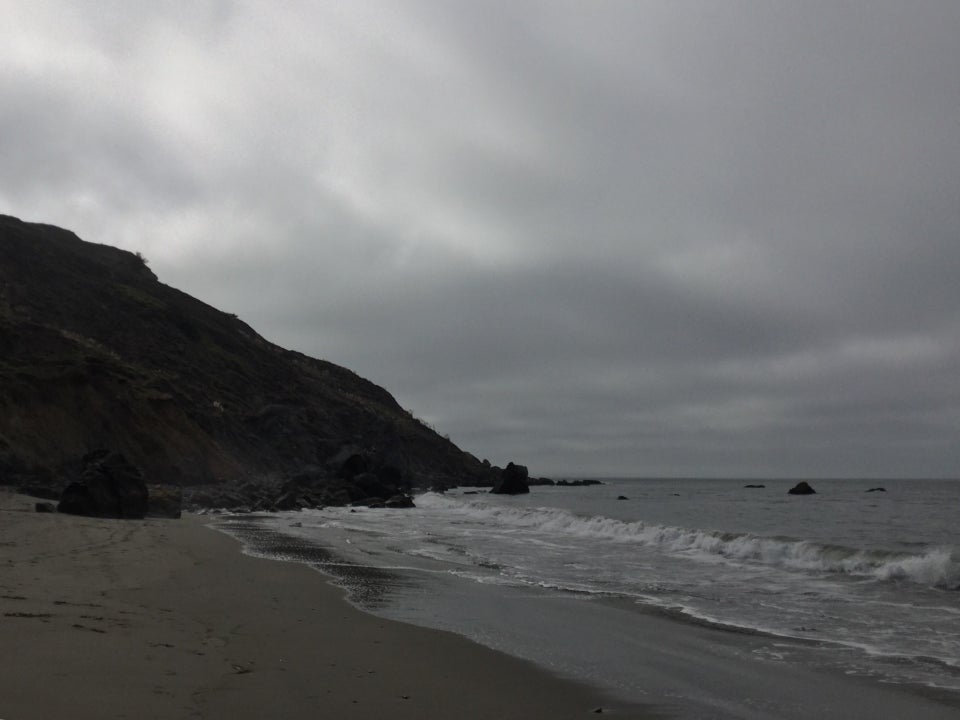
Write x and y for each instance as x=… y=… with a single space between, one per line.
x=629 y=238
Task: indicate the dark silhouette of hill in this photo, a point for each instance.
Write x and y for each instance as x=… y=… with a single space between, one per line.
x=95 y=353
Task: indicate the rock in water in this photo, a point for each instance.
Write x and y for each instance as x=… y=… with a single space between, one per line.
x=399 y=501
x=109 y=486
x=802 y=488
x=512 y=481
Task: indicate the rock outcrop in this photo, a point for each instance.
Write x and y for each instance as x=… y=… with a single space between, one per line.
x=164 y=501
x=109 y=487
x=96 y=352
x=512 y=481
x=802 y=488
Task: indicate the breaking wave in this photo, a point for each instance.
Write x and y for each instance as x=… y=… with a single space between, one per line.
x=937 y=567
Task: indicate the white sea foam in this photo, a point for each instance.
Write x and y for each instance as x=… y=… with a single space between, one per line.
x=935 y=567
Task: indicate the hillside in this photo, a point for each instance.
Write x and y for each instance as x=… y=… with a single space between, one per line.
x=95 y=352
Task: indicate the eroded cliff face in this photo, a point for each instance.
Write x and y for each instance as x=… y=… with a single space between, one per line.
x=95 y=352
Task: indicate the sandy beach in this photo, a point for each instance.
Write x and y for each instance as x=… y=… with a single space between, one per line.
x=168 y=619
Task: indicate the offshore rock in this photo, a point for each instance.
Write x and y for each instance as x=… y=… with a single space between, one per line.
x=399 y=501
x=802 y=488
x=513 y=481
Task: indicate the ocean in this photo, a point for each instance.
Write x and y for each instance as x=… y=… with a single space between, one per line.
x=591 y=582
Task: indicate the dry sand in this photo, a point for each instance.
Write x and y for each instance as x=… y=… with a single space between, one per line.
x=167 y=619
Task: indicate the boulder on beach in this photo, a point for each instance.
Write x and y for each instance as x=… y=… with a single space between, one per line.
x=512 y=481
x=802 y=488
x=45 y=507
x=109 y=486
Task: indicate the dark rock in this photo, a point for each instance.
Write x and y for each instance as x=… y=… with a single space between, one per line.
x=399 y=501
x=368 y=502
x=98 y=348
x=45 y=507
x=288 y=501
x=338 y=497
x=622 y=497
x=391 y=476
x=311 y=500
x=802 y=488
x=877 y=489
x=372 y=487
x=354 y=492
x=216 y=497
x=577 y=483
x=164 y=501
x=513 y=481
x=109 y=486
x=754 y=486
x=353 y=465
x=308 y=477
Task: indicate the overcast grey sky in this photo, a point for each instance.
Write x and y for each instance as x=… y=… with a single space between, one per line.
x=596 y=237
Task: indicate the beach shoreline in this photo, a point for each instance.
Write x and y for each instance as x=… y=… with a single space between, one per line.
x=166 y=618
x=637 y=653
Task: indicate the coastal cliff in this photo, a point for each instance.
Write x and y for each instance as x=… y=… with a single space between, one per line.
x=96 y=352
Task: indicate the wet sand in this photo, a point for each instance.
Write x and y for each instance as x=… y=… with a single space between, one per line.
x=168 y=619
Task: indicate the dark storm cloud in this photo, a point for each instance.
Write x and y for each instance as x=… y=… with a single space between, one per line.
x=661 y=237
